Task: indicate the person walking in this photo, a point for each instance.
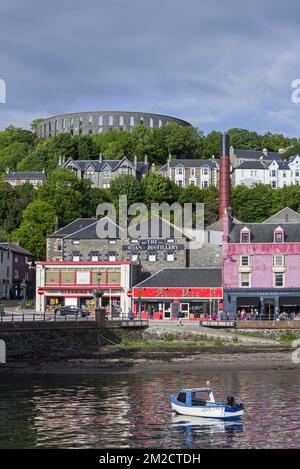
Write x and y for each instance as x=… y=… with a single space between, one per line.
x=180 y=316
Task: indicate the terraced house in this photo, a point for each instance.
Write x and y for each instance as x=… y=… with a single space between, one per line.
x=197 y=172
x=101 y=172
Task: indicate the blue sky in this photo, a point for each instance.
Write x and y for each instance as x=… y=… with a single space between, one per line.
x=217 y=64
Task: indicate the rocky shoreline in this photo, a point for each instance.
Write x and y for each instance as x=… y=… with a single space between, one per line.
x=139 y=360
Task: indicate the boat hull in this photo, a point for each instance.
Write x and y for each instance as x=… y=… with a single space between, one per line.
x=213 y=412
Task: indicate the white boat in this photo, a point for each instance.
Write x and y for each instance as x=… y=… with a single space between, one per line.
x=201 y=402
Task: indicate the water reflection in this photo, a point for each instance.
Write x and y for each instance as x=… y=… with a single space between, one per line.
x=133 y=411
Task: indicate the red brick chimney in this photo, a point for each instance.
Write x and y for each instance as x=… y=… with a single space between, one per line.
x=224 y=182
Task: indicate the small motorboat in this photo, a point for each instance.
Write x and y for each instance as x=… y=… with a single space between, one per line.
x=201 y=402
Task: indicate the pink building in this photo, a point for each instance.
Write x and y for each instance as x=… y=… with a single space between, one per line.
x=261 y=265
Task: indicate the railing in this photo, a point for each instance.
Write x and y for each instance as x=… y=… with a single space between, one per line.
x=57 y=317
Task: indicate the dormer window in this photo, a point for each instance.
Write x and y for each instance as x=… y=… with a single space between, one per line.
x=279 y=235
x=245 y=235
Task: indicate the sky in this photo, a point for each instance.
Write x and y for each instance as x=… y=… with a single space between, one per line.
x=216 y=64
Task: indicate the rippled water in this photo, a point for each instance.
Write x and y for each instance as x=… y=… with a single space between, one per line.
x=132 y=410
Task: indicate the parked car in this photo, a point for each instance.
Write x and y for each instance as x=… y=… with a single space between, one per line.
x=72 y=310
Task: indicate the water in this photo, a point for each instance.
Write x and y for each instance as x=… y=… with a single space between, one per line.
x=132 y=410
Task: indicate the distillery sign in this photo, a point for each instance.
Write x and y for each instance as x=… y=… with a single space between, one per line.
x=178 y=292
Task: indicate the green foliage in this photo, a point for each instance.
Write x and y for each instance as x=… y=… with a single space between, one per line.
x=38 y=221
x=66 y=194
x=159 y=189
x=287 y=337
x=128 y=185
x=12 y=203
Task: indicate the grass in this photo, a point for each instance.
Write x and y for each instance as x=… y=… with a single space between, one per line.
x=287 y=337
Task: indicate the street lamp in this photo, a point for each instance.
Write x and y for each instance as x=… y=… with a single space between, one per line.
x=98 y=293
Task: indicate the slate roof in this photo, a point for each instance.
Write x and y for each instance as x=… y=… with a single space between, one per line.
x=184 y=278
x=16 y=248
x=253 y=154
x=75 y=225
x=158 y=227
x=286 y=215
x=251 y=165
x=264 y=233
x=100 y=165
x=92 y=230
x=25 y=176
x=190 y=163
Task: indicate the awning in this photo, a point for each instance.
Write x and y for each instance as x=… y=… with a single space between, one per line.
x=243 y=302
x=289 y=301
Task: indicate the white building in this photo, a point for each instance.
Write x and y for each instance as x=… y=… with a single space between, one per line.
x=197 y=172
x=74 y=283
x=276 y=173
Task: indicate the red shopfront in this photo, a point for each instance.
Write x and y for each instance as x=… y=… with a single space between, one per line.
x=165 y=303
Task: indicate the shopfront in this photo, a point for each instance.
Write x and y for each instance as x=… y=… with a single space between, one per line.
x=194 y=302
x=265 y=304
x=75 y=283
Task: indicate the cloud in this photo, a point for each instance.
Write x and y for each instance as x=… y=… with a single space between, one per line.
x=216 y=64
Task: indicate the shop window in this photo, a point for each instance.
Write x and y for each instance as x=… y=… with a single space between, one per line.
x=67 y=277
x=279 y=279
x=245 y=279
x=114 y=278
x=52 y=276
x=83 y=278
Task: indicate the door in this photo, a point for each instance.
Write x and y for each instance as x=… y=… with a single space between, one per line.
x=185 y=308
x=70 y=301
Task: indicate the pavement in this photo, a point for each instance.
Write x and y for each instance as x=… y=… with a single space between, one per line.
x=193 y=327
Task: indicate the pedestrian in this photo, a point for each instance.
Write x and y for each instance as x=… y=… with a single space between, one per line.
x=130 y=315
x=180 y=316
x=214 y=316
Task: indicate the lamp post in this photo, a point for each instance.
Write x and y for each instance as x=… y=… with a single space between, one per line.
x=99 y=314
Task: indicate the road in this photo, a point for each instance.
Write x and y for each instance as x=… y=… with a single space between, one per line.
x=193 y=327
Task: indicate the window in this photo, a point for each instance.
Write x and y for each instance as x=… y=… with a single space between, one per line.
x=245 y=237
x=152 y=257
x=181 y=397
x=75 y=241
x=273 y=184
x=204 y=184
x=111 y=241
x=100 y=121
x=16 y=258
x=278 y=261
x=111 y=257
x=170 y=257
x=273 y=173
x=279 y=279
x=151 y=122
x=193 y=172
x=121 y=121
x=76 y=258
x=134 y=257
x=160 y=123
x=245 y=279
x=245 y=261
x=106 y=185
x=278 y=237
x=106 y=173
x=205 y=171
x=179 y=171
x=111 y=120
x=95 y=258
x=131 y=121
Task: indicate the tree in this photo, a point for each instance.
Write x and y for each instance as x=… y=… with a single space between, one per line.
x=38 y=221
x=12 y=203
x=159 y=189
x=252 y=204
x=67 y=195
x=127 y=185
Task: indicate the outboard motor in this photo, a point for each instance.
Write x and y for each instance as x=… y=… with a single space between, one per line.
x=231 y=401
